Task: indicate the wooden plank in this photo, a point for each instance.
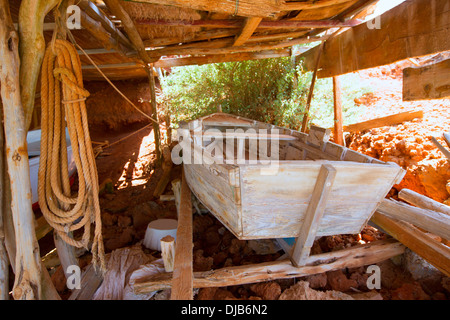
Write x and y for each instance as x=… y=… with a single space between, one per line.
x=428 y=248
x=432 y=221
x=244 y=8
x=337 y=106
x=313 y=215
x=357 y=256
x=311 y=4
x=422 y=201
x=414 y=28
x=231 y=57
x=356 y=192
x=182 y=287
x=250 y=26
x=384 y=121
x=427 y=82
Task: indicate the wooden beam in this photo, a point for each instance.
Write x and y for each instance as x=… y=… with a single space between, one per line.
x=95 y=13
x=337 y=106
x=216 y=58
x=250 y=26
x=244 y=8
x=441 y=147
x=311 y=4
x=384 y=121
x=182 y=287
x=198 y=36
x=423 y=202
x=428 y=248
x=237 y=23
x=130 y=28
x=222 y=44
x=357 y=256
x=422 y=31
x=313 y=215
x=96 y=29
x=427 y=82
x=432 y=221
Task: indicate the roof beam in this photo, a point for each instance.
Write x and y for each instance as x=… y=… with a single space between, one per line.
x=412 y=29
x=250 y=26
x=130 y=28
x=237 y=23
x=311 y=4
x=244 y=8
x=222 y=46
x=95 y=13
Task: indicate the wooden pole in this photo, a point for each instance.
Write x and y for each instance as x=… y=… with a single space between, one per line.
x=4 y=261
x=28 y=280
x=138 y=44
x=182 y=282
x=357 y=256
x=338 y=120
x=311 y=89
x=423 y=202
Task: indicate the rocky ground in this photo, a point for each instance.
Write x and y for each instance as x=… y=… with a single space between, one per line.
x=130 y=206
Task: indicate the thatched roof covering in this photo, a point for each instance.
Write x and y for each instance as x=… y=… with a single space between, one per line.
x=200 y=29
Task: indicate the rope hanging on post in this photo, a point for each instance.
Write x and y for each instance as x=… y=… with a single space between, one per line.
x=61 y=73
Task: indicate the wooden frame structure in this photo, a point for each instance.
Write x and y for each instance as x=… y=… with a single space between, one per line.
x=223 y=31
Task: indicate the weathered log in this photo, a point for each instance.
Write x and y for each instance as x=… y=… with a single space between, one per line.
x=31 y=49
x=422 y=201
x=358 y=256
x=4 y=261
x=428 y=248
x=434 y=222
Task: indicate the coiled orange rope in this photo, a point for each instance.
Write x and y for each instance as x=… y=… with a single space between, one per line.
x=61 y=72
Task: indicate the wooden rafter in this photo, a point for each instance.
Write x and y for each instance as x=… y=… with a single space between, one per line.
x=249 y=27
x=237 y=23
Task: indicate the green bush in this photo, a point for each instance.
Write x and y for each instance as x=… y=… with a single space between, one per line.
x=270 y=90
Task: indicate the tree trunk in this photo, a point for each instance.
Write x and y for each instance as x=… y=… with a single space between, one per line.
x=31 y=49
x=28 y=282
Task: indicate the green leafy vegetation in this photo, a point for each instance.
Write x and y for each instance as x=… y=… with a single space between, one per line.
x=270 y=90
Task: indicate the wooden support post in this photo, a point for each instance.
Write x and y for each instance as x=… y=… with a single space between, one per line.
x=311 y=89
x=182 y=283
x=441 y=147
x=4 y=261
x=431 y=250
x=167 y=170
x=31 y=278
x=168 y=252
x=338 y=120
x=423 y=202
x=154 y=113
x=136 y=40
x=313 y=215
x=176 y=187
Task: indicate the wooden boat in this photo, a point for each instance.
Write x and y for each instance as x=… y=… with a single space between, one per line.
x=256 y=205
x=34 y=151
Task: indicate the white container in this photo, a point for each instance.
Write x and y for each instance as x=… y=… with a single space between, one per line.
x=157 y=230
